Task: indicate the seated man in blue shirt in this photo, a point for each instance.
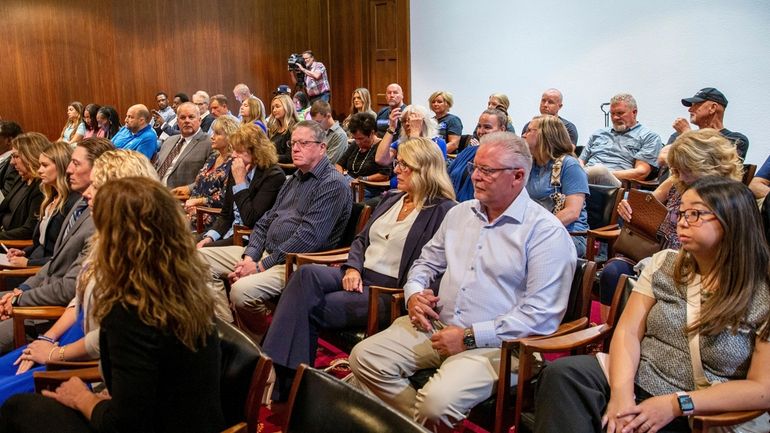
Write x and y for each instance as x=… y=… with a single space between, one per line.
x=760 y=184
x=627 y=150
x=506 y=266
x=137 y=134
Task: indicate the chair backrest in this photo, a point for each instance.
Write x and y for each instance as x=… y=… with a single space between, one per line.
x=748 y=173
x=602 y=205
x=579 y=150
x=580 y=292
x=244 y=372
x=620 y=298
x=321 y=403
x=359 y=212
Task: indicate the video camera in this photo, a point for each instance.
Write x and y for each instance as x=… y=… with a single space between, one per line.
x=295 y=61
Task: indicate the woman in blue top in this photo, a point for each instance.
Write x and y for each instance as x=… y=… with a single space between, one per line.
x=550 y=146
x=450 y=127
x=74 y=129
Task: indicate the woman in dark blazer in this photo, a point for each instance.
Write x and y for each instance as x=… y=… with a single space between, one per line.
x=21 y=206
x=320 y=296
x=56 y=205
x=252 y=187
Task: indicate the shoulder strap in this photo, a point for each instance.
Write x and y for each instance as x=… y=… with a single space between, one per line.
x=556 y=172
x=693 y=338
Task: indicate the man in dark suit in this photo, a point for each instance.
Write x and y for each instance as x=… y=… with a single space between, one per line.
x=55 y=283
x=181 y=156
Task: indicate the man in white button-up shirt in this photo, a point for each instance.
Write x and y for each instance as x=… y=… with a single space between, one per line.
x=507 y=266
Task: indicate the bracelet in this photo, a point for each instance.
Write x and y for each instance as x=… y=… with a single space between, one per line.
x=364 y=178
x=61 y=353
x=390 y=131
x=50 y=354
x=46 y=338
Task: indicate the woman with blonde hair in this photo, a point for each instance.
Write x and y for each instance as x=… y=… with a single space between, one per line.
x=325 y=297
x=557 y=180
x=500 y=101
x=695 y=154
x=245 y=200
x=360 y=102
x=75 y=129
x=282 y=118
x=20 y=207
x=156 y=326
x=74 y=336
x=57 y=202
x=450 y=127
x=209 y=185
x=251 y=112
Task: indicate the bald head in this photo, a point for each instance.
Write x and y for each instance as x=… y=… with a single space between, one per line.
x=241 y=92
x=394 y=95
x=551 y=102
x=137 y=117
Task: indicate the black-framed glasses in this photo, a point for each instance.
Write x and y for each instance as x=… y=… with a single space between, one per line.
x=484 y=170
x=303 y=143
x=691 y=215
x=398 y=163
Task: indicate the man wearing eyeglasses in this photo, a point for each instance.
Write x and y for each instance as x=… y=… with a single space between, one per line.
x=506 y=266
x=309 y=214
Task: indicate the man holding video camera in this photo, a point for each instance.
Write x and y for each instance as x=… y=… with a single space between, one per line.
x=316 y=81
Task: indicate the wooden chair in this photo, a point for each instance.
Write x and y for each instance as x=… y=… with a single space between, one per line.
x=321 y=403
x=200 y=212
x=10 y=278
x=24 y=243
x=748 y=173
x=498 y=410
x=20 y=314
x=244 y=373
x=359 y=188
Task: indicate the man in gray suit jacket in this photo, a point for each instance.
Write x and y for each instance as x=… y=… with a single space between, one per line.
x=55 y=283
x=182 y=156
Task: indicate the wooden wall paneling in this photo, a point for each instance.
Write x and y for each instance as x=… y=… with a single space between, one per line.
x=389 y=48
x=348 y=66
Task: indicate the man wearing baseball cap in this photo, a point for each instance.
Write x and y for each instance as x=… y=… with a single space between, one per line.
x=707 y=110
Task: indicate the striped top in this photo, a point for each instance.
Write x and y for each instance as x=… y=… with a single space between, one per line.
x=310 y=214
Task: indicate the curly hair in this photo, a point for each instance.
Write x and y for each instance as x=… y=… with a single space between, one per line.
x=119 y=163
x=144 y=257
x=251 y=139
x=60 y=154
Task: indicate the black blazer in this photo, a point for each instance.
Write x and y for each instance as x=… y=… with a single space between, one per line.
x=39 y=254
x=25 y=215
x=157 y=384
x=253 y=201
x=425 y=225
x=8 y=176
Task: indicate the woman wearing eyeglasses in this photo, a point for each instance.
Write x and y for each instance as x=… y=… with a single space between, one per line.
x=358 y=160
x=693 y=337
x=557 y=180
x=327 y=297
x=693 y=155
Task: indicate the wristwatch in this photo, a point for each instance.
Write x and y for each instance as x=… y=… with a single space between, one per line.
x=469 y=340
x=685 y=403
x=15 y=299
x=390 y=131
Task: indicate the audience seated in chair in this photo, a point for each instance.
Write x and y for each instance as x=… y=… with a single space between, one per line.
x=694 y=155
x=54 y=283
x=137 y=133
x=335 y=138
x=75 y=335
x=283 y=117
x=159 y=348
x=357 y=161
x=557 y=180
x=497 y=283
x=320 y=296
x=57 y=203
x=627 y=150
x=309 y=214
x=676 y=336
x=182 y=156
x=550 y=104
x=8 y=174
x=20 y=207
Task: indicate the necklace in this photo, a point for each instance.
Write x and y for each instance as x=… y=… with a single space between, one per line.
x=406 y=208
x=353 y=168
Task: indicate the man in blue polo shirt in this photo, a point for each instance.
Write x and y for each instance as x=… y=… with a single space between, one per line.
x=137 y=134
x=627 y=150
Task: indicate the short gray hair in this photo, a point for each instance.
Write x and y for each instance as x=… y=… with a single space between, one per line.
x=317 y=129
x=625 y=98
x=511 y=146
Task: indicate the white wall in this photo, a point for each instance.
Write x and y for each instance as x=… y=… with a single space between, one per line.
x=658 y=50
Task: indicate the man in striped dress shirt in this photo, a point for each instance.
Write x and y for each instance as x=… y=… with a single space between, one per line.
x=310 y=214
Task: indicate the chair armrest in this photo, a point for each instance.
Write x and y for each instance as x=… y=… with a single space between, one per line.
x=70 y=365
x=20 y=314
x=372 y=326
x=17 y=243
x=567 y=342
x=702 y=423
x=200 y=211
x=238 y=428
x=209 y=210
x=239 y=232
x=607 y=235
x=50 y=380
x=18 y=272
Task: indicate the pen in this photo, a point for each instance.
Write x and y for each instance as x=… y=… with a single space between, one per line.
x=4 y=247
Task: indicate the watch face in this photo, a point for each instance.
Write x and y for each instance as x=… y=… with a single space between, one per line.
x=685 y=403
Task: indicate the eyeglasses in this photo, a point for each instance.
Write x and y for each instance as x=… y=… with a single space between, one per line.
x=401 y=164
x=303 y=143
x=691 y=215
x=484 y=170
